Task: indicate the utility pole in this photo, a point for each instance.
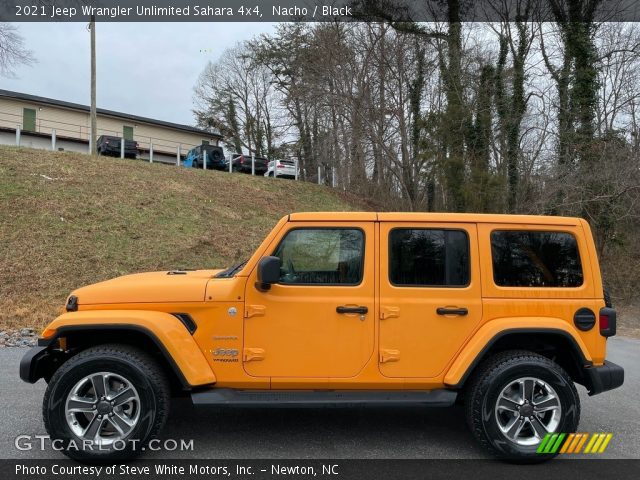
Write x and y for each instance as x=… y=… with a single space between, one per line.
x=94 y=120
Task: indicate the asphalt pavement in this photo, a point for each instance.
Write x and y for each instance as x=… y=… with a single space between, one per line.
x=299 y=433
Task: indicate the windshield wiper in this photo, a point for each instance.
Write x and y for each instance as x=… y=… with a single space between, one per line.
x=231 y=271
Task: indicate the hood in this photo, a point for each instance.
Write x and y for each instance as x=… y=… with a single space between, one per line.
x=152 y=287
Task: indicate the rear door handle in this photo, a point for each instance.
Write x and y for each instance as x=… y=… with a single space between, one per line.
x=452 y=311
x=360 y=310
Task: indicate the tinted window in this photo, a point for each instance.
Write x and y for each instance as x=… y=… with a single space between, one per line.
x=428 y=257
x=313 y=256
x=535 y=259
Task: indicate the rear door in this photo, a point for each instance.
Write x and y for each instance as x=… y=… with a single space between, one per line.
x=430 y=295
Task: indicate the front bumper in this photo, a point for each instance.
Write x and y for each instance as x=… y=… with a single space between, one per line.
x=35 y=364
x=605 y=377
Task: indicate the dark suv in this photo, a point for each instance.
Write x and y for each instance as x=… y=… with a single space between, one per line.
x=110 y=146
x=242 y=163
x=215 y=157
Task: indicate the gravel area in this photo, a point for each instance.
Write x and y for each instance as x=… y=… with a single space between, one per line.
x=21 y=337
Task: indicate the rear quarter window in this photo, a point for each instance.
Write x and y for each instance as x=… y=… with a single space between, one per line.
x=532 y=258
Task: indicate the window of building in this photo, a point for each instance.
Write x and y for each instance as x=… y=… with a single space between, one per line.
x=425 y=257
x=322 y=256
x=127 y=132
x=29 y=119
x=535 y=259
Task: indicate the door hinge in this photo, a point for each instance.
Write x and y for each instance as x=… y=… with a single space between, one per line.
x=388 y=355
x=389 y=312
x=254 y=311
x=252 y=354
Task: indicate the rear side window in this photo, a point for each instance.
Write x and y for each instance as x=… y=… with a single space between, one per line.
x=428 y=257
x=322 y=256
x=535 y=259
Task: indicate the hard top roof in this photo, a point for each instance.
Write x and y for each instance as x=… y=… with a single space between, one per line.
x=431 y=217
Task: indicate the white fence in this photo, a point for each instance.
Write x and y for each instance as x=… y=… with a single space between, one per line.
x=50 y=141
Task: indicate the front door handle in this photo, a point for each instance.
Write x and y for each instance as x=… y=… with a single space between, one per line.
x=360 y=310
x=452 y=311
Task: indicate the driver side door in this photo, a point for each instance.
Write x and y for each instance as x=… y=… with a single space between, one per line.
x=318 y=321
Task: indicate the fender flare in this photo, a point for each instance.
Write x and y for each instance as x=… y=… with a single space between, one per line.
x=481 y=342
x=168 y=334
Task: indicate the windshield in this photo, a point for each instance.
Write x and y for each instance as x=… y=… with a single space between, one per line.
x=232 y=270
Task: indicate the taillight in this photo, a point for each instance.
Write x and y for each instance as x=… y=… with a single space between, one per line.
x=607 y=322
x=281 y=165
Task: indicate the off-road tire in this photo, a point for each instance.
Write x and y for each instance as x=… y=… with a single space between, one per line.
x=133 y=364
x=488 y=381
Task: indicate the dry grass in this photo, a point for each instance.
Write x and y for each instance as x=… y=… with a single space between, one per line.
x=68 y=220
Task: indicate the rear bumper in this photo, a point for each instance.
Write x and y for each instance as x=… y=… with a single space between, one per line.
x=605 y=377
x=35 y=364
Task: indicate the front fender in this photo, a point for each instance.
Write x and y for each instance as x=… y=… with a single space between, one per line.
x=165 y=330
x=491 y=331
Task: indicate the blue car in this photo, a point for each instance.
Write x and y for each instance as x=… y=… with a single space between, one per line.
x=215 y=157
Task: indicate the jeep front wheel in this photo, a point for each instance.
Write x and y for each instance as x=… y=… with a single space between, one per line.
x=515 y=399
x=106 y=403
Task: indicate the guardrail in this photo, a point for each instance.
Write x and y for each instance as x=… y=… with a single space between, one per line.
x=68 y=132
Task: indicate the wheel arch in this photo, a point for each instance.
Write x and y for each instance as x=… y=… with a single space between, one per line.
x=159 y=333
x=557 y=344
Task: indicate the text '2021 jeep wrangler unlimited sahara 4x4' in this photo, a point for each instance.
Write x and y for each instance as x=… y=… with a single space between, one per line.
x=507 y=312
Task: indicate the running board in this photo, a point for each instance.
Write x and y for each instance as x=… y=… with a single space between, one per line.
x=227 y=396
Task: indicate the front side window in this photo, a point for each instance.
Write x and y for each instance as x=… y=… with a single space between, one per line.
x=535 y=259
x=322 y=256
x=426 y=257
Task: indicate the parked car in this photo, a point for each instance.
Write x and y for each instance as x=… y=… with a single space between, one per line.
x=110 y=146
x=502 y=312
x=242 y=163
x=215 y=157
x=281 y=169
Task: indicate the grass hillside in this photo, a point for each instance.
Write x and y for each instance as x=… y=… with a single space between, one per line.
x=67 y=220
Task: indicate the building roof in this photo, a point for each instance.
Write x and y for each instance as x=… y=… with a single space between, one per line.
x=101 y=111
x=433 y=217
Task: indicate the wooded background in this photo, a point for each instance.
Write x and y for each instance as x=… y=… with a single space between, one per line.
x=507 y=116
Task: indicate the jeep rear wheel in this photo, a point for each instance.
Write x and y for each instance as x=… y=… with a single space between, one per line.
x=106 y=403
x=515 y=399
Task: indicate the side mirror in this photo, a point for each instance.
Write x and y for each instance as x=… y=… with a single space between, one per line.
x=268 y=272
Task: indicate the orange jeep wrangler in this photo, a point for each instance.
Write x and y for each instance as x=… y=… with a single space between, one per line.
x=503 y=313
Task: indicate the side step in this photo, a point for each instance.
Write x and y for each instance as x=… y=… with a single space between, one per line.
x=227 y=396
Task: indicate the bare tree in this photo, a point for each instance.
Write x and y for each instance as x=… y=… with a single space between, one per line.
x=13 y=51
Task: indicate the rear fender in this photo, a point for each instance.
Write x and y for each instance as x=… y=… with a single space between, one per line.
x=473 y=352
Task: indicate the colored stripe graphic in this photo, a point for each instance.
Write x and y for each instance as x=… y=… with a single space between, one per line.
x=607 y=439
x=592 y=440
x=572 y=443
x=566 y=444
x=543 y=443
x=556 y=446
x=581 y=443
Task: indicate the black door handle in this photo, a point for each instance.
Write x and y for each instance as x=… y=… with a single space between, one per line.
x=451 y=311
x=360 y=310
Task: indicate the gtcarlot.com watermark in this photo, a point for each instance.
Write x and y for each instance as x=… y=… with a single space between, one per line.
x=26 y=443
